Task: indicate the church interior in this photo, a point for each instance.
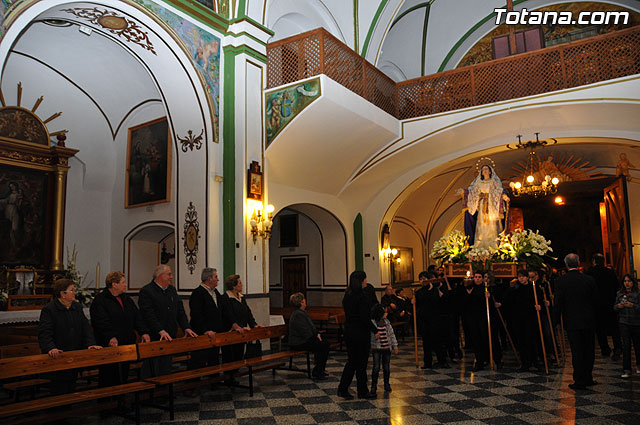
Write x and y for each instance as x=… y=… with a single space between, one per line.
x=291 y=143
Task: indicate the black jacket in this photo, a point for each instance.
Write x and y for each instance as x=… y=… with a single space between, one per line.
x=64 y=329
x=357 y=310
x=109 y=319
x=301 y=328
x=161 y=310
x=205 y=314
x=239 y=313
x=607 y=284
x=576 y=298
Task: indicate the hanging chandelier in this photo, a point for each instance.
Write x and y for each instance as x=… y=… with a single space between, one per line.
x=529 y=185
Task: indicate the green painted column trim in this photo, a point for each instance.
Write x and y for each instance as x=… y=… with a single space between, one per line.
x=358 y=242
x=411 y=9
x=355 y=26
x=468 y=34
x=201 y=13
x=244 y=33
x=254 y=23
x=424 y=38
x=246 y=50
x=242 y=8
x=374 y=22
x=229 y=164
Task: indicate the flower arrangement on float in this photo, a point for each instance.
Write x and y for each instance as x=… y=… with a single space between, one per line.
x=83 y=295
x=481 y=257
x=519 y=246
x=452 y=247
x=524 y=246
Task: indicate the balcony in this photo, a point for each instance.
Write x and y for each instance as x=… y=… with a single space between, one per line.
x=599 y=58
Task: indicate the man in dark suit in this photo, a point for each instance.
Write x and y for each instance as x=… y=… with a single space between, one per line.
x=576 y=299
x=606 y=320
x=207 y=312
x=162 y=311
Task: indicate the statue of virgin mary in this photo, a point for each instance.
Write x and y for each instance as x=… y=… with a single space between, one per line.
x=485 y=204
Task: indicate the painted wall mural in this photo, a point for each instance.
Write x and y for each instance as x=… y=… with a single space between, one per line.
x=6 y=7
x=204 y=48
x=553 y=34
x=284 y=104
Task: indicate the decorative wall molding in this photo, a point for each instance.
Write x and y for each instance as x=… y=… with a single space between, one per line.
x=191 y=142
x=191 y=236
x=122 y=27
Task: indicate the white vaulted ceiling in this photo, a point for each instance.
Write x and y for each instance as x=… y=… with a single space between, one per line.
x=62 y=63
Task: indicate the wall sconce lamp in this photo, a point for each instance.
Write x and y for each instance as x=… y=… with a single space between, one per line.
x=261 y=224
x=390 y=255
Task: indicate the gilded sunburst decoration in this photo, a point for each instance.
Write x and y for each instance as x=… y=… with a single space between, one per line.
x=19 y=123
x=122 y=27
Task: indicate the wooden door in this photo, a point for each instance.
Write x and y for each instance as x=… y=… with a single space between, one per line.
x=294 y=277
x=618 y=231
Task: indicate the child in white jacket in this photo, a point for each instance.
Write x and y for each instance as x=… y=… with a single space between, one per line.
x=381 y=348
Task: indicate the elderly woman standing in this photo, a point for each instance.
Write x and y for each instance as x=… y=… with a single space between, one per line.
x=304 y=336
x=239 y=317
x=115 y=318
x=64 y=327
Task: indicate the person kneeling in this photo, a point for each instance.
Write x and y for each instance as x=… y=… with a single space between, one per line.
x=304 y=336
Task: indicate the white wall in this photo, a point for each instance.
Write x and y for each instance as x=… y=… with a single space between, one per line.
x=402 y=234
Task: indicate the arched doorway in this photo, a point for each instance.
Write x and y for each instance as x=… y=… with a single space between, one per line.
x=307 y=253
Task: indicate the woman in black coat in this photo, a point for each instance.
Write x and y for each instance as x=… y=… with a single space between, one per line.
x=115 y=319
x=64 y=327
x=238 y=316
x=357 y=335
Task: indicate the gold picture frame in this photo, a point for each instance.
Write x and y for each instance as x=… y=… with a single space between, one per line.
x=148 y=168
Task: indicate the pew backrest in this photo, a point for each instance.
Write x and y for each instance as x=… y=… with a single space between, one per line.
x=41 y=363
x=182 y=345
x=19 y=350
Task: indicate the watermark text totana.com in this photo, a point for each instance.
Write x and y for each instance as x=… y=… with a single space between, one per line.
x=525 y=17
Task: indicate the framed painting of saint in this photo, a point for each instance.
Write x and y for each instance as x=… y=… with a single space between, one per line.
x=148 y=174
x=24 y=195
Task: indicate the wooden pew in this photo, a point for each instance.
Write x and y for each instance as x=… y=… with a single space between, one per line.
x=27 y=366
x=19 y=350
x=181 y=345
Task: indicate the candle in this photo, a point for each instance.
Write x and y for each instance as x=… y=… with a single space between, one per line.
x=98 y=276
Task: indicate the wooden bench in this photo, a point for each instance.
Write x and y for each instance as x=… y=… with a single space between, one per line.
x=20 y=350
x=181 y=345
x=27 y=366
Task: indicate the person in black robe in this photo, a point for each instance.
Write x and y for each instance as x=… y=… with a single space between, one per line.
x=115 y=320
x=64 y=327
x=606 y=317
x=576 y=300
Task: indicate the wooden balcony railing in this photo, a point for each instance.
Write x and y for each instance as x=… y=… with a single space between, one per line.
x=318 y=52
x=600 y=58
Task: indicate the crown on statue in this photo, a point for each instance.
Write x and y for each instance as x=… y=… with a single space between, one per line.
x=485 y=160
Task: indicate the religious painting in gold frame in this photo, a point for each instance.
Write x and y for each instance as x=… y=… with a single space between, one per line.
x=403 y=270
x=254 y=182
x=148 y=174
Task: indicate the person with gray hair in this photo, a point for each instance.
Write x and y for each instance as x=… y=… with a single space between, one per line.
x=576 y=300
x=208 y=310
x=162 y=311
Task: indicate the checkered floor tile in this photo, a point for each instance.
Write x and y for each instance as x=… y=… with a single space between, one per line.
x=436 y=396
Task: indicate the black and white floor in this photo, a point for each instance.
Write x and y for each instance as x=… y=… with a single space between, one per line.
x=436 y=396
